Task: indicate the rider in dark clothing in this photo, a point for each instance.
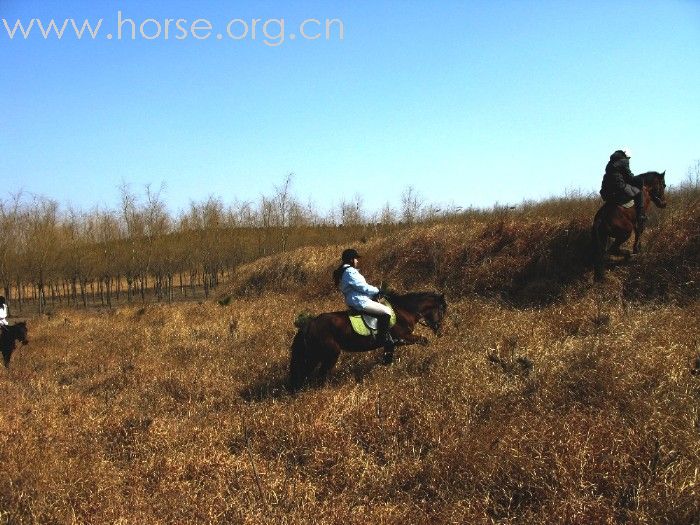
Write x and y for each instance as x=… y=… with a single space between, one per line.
x=617 y=184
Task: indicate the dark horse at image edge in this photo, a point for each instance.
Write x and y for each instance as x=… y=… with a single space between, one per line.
x=8 y=340
x=320 y=340
x=616 y=222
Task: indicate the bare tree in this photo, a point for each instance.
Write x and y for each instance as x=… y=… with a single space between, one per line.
x=42 y=245
x=692 y=176
x=411 y=205
x=285 y=202
x=9 y=241
x=387 y=215
x=351 y=212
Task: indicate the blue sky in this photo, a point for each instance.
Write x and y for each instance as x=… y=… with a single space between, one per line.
x=471 y=103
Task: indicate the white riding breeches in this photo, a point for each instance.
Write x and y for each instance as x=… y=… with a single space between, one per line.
x=375 y=308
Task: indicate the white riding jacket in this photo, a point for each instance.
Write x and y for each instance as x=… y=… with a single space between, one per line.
x=3 y=315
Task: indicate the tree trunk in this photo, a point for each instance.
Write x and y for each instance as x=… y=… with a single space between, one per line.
x=83 y=284
x=19 y=295
x=108 y=288
x=40 y=296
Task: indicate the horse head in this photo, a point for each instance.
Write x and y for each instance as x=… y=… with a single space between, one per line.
x=21 y=333
x=434 y=310
x=656 y=185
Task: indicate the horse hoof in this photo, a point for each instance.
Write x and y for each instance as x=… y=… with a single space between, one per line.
x=387 y=359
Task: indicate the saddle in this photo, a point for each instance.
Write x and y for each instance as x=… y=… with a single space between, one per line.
x=365 y=324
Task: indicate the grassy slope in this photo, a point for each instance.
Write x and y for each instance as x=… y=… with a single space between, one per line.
x=177 y=414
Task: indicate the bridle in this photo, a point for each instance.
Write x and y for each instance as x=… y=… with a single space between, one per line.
x=435 y=327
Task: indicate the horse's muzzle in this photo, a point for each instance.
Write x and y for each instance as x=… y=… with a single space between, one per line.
x=661 y=203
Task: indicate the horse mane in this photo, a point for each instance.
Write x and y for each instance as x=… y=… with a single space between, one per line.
x=409 y=301
x=644 y=178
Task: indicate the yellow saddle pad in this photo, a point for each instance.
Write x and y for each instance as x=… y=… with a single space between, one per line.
x=365 y=324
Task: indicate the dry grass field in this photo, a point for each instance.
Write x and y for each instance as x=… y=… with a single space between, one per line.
x=546 y=400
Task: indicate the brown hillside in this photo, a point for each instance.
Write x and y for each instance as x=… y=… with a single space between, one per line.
x=525 y=257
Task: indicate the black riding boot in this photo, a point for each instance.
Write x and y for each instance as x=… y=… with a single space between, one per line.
x=639 y=207
x=384 y=336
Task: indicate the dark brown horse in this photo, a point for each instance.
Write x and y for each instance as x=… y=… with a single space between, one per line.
x=616 y=222
x=320 y=340
x=8 y=340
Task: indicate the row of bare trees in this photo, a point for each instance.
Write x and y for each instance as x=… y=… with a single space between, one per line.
x=49 y=255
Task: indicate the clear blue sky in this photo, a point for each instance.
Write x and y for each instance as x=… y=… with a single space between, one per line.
x=471 y=102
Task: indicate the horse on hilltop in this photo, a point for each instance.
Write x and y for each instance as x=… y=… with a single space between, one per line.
x=320 y=340
x=8 y=340
x=618 y=221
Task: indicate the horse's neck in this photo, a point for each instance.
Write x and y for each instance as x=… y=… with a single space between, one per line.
x=410 y=306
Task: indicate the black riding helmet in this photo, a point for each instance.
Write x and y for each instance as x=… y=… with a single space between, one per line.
x=619 y=155
x=349 y=255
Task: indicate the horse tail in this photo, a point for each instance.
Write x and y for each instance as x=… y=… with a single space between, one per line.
x=299 y=358
x=598 y=249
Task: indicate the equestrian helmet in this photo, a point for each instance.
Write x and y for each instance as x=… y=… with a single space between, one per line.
x=349 y=255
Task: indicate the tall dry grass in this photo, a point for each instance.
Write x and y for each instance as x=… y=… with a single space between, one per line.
x=542 y=403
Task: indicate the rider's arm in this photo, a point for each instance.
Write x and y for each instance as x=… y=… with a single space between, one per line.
x=358 y=283
x=619 y=182
x=623 y=166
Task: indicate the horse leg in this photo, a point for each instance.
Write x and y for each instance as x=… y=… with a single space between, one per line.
x=410 y=339
x=306 y=355
x=620 y=238
x=599 y=246
x=298 y=363
x=329 y=357
x=637 y=247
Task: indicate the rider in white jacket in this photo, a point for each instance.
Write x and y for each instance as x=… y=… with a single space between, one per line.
x=3 y=311
x=361 y=296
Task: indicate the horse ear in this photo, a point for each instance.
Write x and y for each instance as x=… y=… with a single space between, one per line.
x=663 y=174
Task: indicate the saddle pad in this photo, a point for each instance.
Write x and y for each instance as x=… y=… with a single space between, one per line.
x=628 y=204
x=364 y=324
